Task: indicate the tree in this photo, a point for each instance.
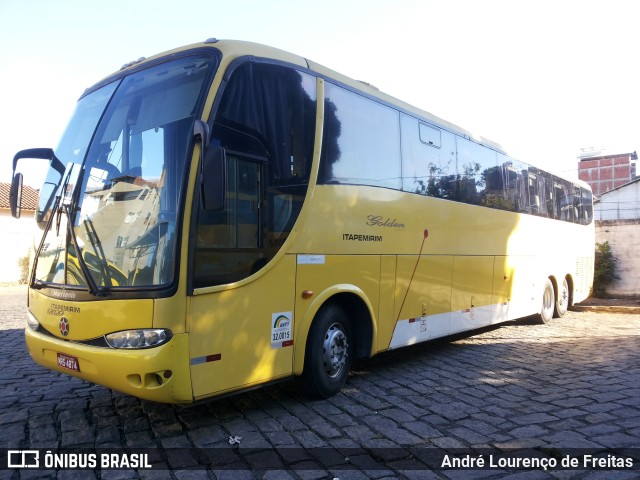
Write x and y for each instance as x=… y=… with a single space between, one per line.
x=23 y=266
x=605 y=269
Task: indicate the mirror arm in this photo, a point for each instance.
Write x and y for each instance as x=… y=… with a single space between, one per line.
x=15 y=196
x=43 y=153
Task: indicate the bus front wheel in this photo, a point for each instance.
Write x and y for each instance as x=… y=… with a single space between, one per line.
x=328 y=354
x=548 y=302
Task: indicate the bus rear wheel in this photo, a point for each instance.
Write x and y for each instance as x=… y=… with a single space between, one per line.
x=328 y=354
x=562 y=300
x=548 y=303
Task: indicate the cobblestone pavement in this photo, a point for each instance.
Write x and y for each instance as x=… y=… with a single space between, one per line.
x=574 y=383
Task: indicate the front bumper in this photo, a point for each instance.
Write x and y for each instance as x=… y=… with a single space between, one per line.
x=160 y=374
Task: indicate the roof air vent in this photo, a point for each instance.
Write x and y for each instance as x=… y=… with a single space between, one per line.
x=127 y=65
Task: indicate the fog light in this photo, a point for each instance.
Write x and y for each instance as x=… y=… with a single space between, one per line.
x=145 y=338
x=32 y=322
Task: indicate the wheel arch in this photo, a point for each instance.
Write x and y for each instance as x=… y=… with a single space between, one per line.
x=554 y=282
x=360 y=313
x=569 y=278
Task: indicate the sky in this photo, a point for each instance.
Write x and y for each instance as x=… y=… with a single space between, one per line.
x=543 y=78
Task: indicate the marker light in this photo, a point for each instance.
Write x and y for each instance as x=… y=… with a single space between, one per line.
x=32 y=322
x=145 y=338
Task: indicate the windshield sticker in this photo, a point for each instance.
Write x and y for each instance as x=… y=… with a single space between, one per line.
x=281 y=335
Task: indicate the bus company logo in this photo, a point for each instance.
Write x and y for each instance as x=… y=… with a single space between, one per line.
x=58 y=310
x=380 y=221
x=64 y=326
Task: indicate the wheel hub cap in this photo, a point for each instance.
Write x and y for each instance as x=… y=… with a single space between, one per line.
x=335 y=350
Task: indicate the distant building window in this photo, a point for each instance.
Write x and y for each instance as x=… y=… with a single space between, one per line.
x=121 y=242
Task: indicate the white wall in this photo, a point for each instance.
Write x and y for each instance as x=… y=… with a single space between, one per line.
x=16 y=239
x=624 y=240
x=620 y=204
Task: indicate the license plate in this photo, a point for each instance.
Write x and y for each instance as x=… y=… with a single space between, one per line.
x=68 y=362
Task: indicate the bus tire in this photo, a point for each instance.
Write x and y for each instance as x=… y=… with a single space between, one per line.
x=562 y=300
x=327 y=358
x=548 y=303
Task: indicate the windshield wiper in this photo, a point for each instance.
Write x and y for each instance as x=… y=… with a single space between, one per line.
x=38 y=284
x=33 y=283
x=91 y=283
x=56 y=211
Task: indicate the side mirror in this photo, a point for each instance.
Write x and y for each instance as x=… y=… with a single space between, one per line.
x=214 y=178
x=15 y=195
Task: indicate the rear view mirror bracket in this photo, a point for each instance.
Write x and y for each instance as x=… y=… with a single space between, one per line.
x=15 y=194
x=213 y=178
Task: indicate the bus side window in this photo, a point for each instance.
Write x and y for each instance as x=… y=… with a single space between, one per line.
x=587 y=206
x=516 y=185
x=538 y=195
x=265 y=121
x=428 y=158
x=361 y=141
x=475 y=178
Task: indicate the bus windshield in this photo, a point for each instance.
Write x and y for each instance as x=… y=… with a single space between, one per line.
x=116 y=214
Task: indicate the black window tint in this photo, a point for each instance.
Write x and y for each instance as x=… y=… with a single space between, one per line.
x=540 y=193
x=269 y=110
x=361 y=141
x=563 y=200
x=476 y=181
x=427 y=168
x=515 y=184
x=265 y=121
x=587 y=206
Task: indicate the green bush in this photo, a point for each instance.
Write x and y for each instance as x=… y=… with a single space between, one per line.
x=605 y=269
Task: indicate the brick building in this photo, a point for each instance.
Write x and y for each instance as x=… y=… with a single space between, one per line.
x=605 y=171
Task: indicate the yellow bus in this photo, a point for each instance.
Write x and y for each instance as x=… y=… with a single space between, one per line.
x=227 y=215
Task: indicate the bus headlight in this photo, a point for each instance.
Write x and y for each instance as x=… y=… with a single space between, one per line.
x=144 y=338
x=32 y=322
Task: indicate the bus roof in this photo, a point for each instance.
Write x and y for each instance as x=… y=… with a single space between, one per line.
x=233 y=49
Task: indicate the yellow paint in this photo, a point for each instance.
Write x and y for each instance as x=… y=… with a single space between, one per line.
x=471 y=283
x=356 y=275
x=89 y=320
x=134 y=372
x=430 y=290
x=236 y=323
